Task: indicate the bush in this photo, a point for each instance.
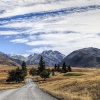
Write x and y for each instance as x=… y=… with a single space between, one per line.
x=33 y=72
x=45 y=74
x=16 y=76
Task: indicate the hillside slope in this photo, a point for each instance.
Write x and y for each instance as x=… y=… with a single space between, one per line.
x=6 y=61
x=86 y=57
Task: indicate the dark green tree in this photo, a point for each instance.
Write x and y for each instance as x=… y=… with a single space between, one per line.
x=23 y=65
x=24 y=69
x=45 y=74
x=41 y=64
x=16 y=76
x=55 y=67
x=69 y=69
x=58 y=67
x=64 y=67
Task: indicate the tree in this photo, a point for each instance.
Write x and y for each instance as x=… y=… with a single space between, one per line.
x=45 y=74
x=23 y=65
x=33 y=72
x=53 y=72
x=69 y=69
x=41 y=64
x=64 y=67
x=58 y=67
x=55 y=67
x=24 y=69
x=16 y=76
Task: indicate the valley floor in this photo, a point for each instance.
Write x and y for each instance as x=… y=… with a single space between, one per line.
x=85 y=87
x=81 y=84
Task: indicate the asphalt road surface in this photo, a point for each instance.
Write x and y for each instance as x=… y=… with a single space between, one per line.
x=28 y=92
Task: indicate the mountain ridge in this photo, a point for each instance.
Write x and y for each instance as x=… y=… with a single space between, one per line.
x=50 y=57
x=86 y=57
x=4 y=60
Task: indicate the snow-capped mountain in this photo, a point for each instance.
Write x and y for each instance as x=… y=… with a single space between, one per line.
x=50 y=57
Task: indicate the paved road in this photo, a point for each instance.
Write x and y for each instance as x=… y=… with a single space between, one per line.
x=28 y=92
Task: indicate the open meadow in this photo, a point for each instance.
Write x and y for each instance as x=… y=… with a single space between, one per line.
x=81 y=84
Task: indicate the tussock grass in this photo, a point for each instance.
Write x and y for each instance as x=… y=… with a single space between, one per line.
x=84 y=87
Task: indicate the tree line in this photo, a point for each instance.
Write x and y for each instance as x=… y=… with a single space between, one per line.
x=45 y=73
x=18 y=75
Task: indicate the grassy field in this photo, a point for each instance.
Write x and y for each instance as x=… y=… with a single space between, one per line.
x=81 y=84
x=3 y=76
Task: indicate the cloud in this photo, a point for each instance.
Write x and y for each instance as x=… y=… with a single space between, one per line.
x=63 y=25
x=19 y=41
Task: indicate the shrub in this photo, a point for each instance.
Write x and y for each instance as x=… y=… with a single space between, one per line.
x=45 y=74
x=16 y=76
x=33 y=72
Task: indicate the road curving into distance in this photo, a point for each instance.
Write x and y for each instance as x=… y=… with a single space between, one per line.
x=28 y=92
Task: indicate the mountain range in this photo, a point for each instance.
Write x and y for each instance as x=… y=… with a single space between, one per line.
x=86 y=57
x=50 y=57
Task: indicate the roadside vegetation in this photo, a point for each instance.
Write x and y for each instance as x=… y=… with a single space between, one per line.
x=4 y=69
x=17 y=75
x=81 y=84
x=44 y=72
x=69 y=83
x=41 y=70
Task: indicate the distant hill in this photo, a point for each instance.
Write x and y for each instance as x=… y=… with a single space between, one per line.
x=17 y=58
x=50 y=57
x=86 y=57
x=6 y=61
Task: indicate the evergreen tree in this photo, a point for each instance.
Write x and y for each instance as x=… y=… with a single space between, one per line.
x=69 y=69
x=55 y=67
x=24 y=69
x=23 y=65
x=64 y=67
x=16 y=76
x=58 y=67
x=41 y=64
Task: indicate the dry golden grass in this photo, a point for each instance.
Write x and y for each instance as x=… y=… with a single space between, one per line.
x=3 y=76
x=86 y=87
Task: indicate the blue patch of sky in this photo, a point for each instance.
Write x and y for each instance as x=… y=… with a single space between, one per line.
x=12 y=48
x=12 y=29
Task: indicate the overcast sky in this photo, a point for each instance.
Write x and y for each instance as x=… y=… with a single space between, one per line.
x=32 y=26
